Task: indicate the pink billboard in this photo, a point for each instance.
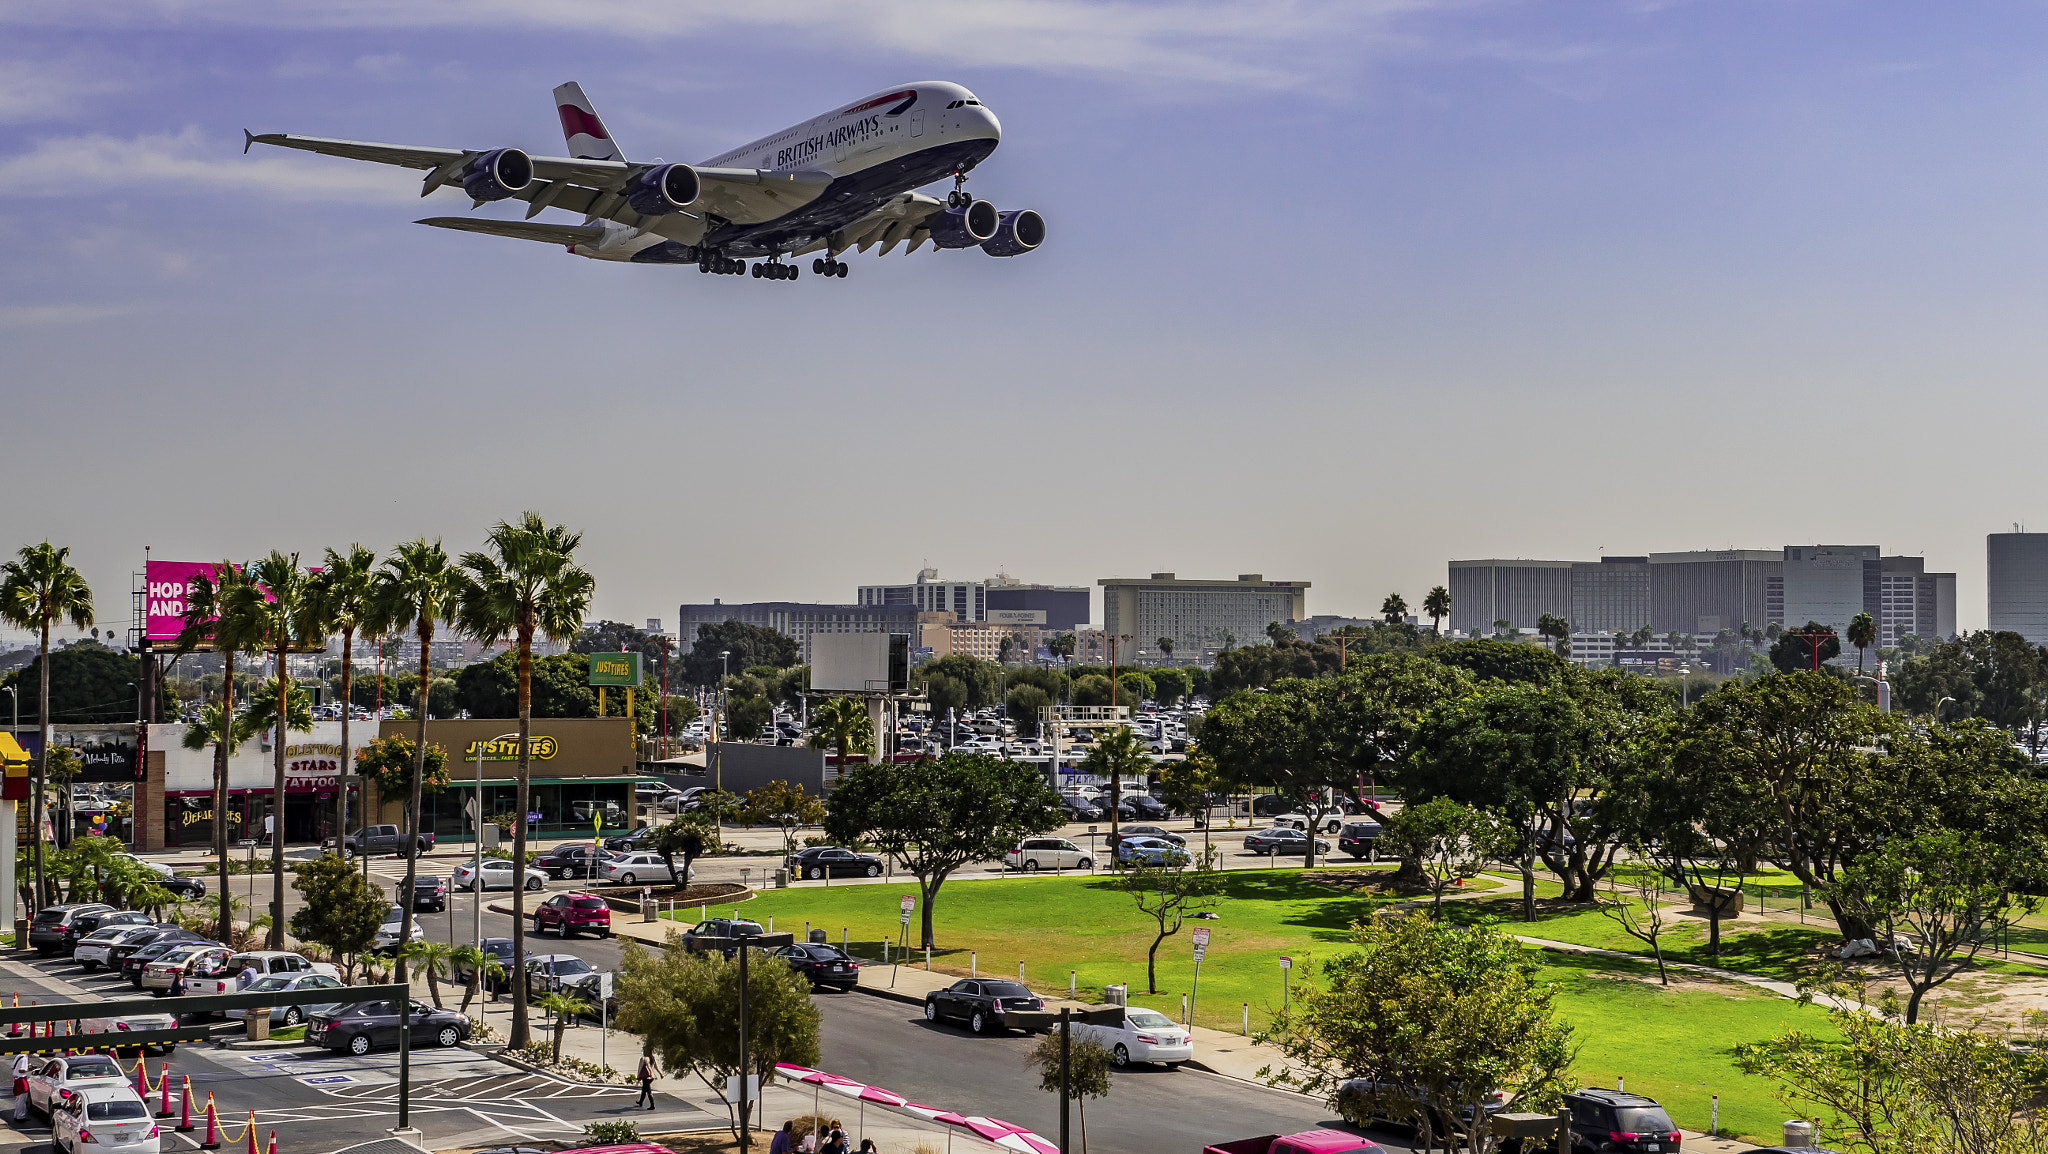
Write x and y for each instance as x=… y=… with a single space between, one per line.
x=170 y=587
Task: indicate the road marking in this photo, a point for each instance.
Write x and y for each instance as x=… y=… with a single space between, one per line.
x=327 y=1080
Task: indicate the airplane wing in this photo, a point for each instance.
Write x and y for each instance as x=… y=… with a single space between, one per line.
x=562 y=234
x=905 y=218
x=591 y=187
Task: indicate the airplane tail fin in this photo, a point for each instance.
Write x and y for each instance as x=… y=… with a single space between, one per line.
x=586 y=134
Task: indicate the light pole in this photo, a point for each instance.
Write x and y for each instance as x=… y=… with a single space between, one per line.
x=718 y=777
x=476 y=907
x=7 y=848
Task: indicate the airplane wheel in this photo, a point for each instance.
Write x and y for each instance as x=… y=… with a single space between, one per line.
x=818 y=265
x=842 y=270
x=757 y=272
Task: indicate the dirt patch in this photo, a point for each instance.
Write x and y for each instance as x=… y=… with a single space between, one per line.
x=1680 y=980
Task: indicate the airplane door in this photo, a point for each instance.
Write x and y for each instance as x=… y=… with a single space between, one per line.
x=917 y=123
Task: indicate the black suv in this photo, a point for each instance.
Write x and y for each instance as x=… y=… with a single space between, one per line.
x=578 y=860
x=1613 y=1122
x=429 y=893
x=822 y=860
x=55 y=928
x=85 y=925
x=1358 y=837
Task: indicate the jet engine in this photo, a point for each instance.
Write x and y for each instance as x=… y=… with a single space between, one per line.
x=497 y=174
x=663 y=189
x=1019 y=231
x=966 y=226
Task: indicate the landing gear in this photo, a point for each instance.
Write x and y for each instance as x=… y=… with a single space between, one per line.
x=826 y=266
x=958 y=198
x=774 y=270
x=723 y=266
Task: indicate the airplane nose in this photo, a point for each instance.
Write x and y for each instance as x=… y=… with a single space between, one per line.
x=988 y=125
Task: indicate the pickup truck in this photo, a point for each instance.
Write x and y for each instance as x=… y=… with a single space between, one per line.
x=1306 y=1142
x=381 y=839
x=264 y=962
x=726 y=935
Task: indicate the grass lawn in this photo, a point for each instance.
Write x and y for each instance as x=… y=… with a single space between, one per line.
x=1675 y=1044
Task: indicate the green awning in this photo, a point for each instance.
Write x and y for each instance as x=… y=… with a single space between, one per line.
x=459 y=782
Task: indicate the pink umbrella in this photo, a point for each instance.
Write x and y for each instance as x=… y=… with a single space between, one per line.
x=876 y=1094
x=817 y=1079
x=988 y=1127
x=934 y=1113
x=1025 y=1142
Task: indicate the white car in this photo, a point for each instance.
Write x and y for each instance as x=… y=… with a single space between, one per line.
x=1047 y=853
x=136 y=1023
x=291 y=1015
x=497 y=875
x=94 y=948
x=631 y=869
x=1145 y=1036
x=388 y=932
x=1331 y=823
x=110 y=1119
x=59 y=1079
x=155 y=867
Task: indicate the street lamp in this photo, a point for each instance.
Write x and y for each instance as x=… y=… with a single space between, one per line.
x=1937 y=708
x=718 y=779
x=476 y=908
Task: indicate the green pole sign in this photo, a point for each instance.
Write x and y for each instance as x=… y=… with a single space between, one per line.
x=615 y=669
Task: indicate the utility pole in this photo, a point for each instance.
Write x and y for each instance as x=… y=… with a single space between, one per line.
x=1813 y=641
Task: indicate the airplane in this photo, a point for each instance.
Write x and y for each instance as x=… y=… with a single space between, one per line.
x=843 y=180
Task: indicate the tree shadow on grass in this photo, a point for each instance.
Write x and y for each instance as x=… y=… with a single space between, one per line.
x=1785 y=953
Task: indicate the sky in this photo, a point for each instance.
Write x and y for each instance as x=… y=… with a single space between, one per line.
x=1332 y=292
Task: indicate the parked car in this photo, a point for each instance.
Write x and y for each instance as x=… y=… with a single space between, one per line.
x=89 y=924
x=634 y=868
x=1306 y=1142
x=550 y=973
x=496 y=875
x=1358 y=837
x=980 y=1002
x=205 y=957
x=119 y=953
x=1151 y=851
x=382 y=839
x=494 y=982
x=1281 y=840
x=292 y=1015
x=110 y=1119
x=829 y=860
x=365 y=1026
x=824 y=965
x=647 y=791
x=92 y=951
x=628 y=842
x=1079 y=808
x=722 y=934
x=392 y=927
x=1144 y=806
x=187 y=888
x=1037 y=853
x=683 y=799
x=574 y=914
x=265 y=963
x=56 y=1079
x=579 y=860
x=136 y=1024
x=1145 y=1035
x=1614 y=1122
x=134 y=964
x=1356 y=1100
x=1273 y=805
x=55 y=928
x=1142 y=830
x=429 y=893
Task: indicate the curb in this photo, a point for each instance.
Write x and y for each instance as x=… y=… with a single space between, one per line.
x=892 y=995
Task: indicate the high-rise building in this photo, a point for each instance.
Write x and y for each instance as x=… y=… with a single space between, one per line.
x=1610 y=594
x=2016 y=584
x=1200 y=616
x=1065 y=606
x=1518 y=592
x=965 y=600
x=1913 y=601
x=1705 y=591
x=798 y=620
x=1829 y=584
x=1944 y=604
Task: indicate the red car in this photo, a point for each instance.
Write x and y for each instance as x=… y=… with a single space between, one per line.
x=574 y=914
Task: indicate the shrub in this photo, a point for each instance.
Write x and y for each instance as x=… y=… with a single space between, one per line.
x=611 y=1133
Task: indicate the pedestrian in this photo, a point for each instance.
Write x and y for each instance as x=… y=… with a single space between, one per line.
x=835 y=1143
x=178 y=984
x=783 y=1137
x=646 y=1075
x=867 y=1146
x=246 y=978
x=21 y=1064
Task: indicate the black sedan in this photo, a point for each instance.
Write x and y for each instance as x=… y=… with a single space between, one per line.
x=1080 y=808
x=822 y=860
x=1281 y=840
x=429 y=894
x=825 y=966
x=495 y=981
x=1142 y=806
x=581 y=860
x=642 y=838
x=363 y=1027
x=132 y=965
x=187 y=888
x=981 y=1003
x=1160 y=832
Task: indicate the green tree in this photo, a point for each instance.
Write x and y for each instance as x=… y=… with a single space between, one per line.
x=1448 y=840
x=1393 y=609
x=417 y=588
x=1794 y=649
x=1558 y=630
x=433 y=958
x=394 y=766
x=37 y=589
x=90 y=684
x=1499 y=660
x=1167 y=895
x=1637 y=907
x=1863 y=635
x=279 y=610
x=744 y=716
x=1088 y=1064
x=1061 y=646
x=564 y=1007
x=982 y=681
x=1437 y=606
x=1117 y=755
x=341 y=911
x=1022 y=705
x=747 y=645
x=204 y=626
x=1439 y=1018
x=1166 y=648
x=938 y=814
x=685 y=1008
x=842 y=724
x=1170 y=685
x=688 y=836
x=480 y=966
x=342 y=591
x=785 y=807
x=525 y=583
x=557 y=686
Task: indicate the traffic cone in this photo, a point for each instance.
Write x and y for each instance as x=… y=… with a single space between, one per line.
x=273 y=1143
x=142 y=1077
x=185 y=1119
x=251 y=1131
x=163 y=1082
x=14 y=1029
x=212 y=1139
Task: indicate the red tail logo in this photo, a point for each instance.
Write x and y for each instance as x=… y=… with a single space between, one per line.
x=575 y=120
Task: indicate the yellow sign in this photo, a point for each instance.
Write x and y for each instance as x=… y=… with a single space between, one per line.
x=11 y=751
x=538 y=748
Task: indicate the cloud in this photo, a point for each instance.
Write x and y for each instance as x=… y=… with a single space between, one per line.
x=192 y=162
x=48 y=90
x=34 y=316
x=1259 y=43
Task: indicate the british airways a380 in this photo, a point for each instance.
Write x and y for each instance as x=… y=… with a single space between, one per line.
x=843 y=181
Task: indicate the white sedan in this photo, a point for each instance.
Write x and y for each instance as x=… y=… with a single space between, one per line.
x=389 y=929
x=1145 y=1036
x=58 y=1079
x=136 y=1023
x=497 y=875
x=110 y=1119
x=630 y=869
x=94 y=948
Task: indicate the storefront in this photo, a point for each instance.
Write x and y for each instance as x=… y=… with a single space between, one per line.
x=179 y=785
x=581 y=772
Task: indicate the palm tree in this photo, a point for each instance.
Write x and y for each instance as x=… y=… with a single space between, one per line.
x=1863 y=635
x=480 y=966
x=1436 y=605
x=1551 y=625
x=278 y=607
x=342 y=589
x=528 y=582
x=842 y=724
x=38 y=588
x=1116 y=756
x=433 y=958
x=1166 y=646
x=563 y=1007
x=205 y=626
x=419 y=586
x=1393 y=609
